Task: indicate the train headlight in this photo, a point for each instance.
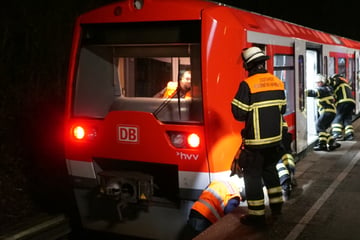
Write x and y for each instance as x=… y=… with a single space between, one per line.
x=184 y=140
x=193 y=140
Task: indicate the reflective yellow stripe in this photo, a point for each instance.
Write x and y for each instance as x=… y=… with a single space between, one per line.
x=283 y=172
x=280 y=166
x=256 y=212
x=274 y=190
x=288 y=160
x=270 y=103
x=349 y=127
x=276 y=200
x=346 y=100
x=256 y=202
x=240 y=105
x=263 y=140
x=256 y=105
x=328 y=110
x=338 y=125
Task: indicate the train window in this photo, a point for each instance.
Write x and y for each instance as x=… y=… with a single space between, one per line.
x=284 y=69
x=342 y=66
x=124 y=72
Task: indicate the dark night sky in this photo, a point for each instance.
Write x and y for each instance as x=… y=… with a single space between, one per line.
x=336 y=17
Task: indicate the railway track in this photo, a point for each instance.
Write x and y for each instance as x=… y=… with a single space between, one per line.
x=41 y=228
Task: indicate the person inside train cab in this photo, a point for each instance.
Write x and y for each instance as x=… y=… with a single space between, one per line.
x=219 y=198
x=260 y=102
x=182 y=87
x=341 y=126
x=326 y=114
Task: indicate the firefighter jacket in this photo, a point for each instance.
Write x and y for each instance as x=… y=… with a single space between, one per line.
x=260 y=102
x=213 y=200
x=325 y=98
x=342 y=91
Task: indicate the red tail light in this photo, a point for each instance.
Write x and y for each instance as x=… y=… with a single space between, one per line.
x=79 y=132
x=83 y=133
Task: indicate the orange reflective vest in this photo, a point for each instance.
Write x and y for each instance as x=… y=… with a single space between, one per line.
x=171 y=90
x=214 y=198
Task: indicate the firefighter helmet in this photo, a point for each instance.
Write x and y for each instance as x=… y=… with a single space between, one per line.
x=320 y=78
x=334 y=79
x=252 y=55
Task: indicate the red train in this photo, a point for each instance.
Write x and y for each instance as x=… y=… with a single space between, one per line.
x=138 y=162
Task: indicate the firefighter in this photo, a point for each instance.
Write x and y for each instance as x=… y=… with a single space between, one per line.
x=345 y=105
x=218 y=199
x=285 y=166
x=326 y=114
x=260 y=103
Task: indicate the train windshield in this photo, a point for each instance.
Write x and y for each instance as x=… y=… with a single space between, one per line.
x=121 y=68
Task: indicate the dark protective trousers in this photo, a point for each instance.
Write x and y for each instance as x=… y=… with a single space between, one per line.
x=324 y=121
x=343 y=118
x=259 y=169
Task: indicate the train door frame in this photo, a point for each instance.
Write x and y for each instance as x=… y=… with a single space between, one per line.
x=314 y=66
x=308 y=57
x=301 y=122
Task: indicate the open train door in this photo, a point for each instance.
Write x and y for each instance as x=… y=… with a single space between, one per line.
x=300 y=98
x=312 y=67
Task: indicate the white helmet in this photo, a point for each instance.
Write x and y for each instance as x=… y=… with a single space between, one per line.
x=320 y=78
x=253 y=54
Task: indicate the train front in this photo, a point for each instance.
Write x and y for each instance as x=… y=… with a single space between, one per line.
x=136 y=156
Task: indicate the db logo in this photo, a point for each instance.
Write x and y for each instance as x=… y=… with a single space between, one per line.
x=129 y=134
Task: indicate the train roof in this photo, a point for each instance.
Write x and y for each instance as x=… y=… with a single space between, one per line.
x=161 y=10
x=261 y=23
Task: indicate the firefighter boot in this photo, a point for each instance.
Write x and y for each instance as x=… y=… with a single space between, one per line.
x=287 y=188
x=349 y=137
x=320 y=147
x=338 y=136
x=253 y=220
x=332 y=145
x=275 y=213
